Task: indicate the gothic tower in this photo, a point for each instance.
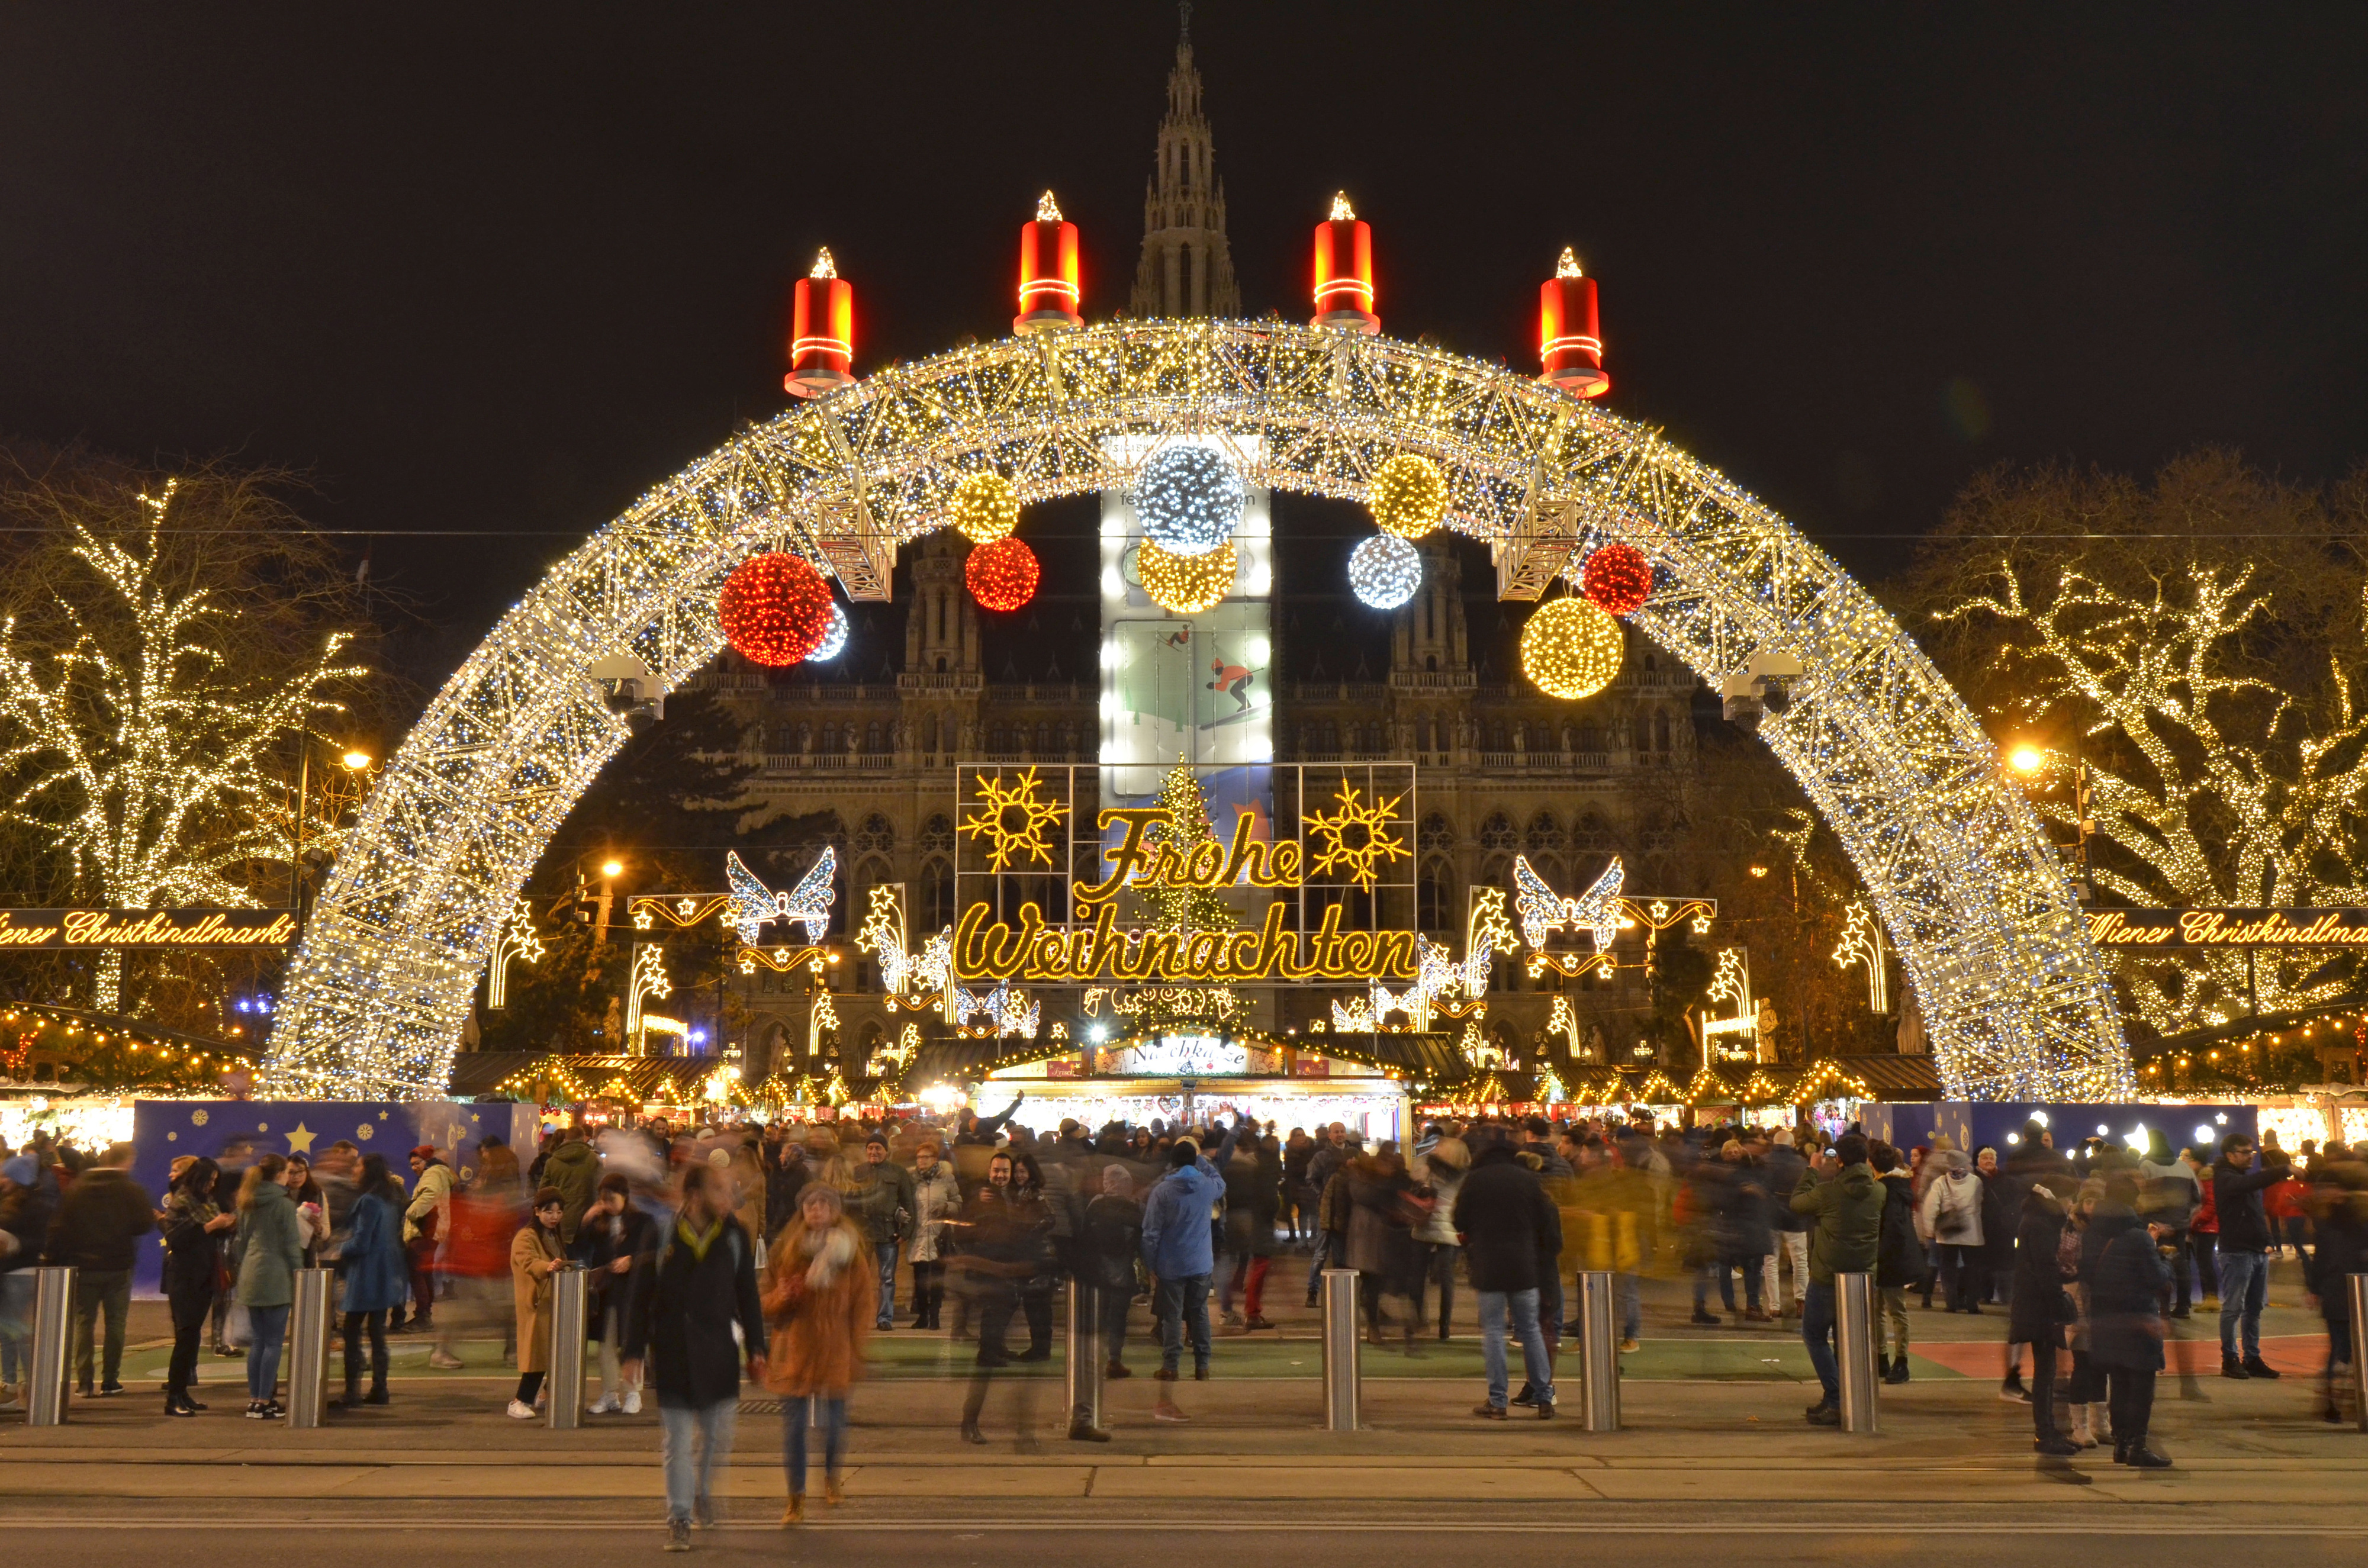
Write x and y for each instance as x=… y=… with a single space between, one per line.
x=1187 y=267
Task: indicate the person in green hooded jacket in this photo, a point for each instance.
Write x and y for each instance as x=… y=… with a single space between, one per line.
x=574 y=1167
x=1843 y=1201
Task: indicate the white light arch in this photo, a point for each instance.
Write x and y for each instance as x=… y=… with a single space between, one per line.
x=2014 y=1002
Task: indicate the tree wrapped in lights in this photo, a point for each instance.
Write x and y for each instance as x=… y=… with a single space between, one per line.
x=2198 y=647
x=161 y=661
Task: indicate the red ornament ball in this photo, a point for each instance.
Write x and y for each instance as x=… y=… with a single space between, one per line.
x=775 y=608
x=1617 y=578
x=1002 y=576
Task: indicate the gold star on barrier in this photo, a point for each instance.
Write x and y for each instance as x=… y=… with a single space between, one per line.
x=1013 y=820
x=1357 y=839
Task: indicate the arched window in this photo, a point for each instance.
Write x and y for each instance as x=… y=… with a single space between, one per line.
x=874 y=738
x=1436 y=835
x=1544 y=836
x=1497 y=831
x=937 y=836
x=1331 y=737
x=875 y=835
x=830 y=736
x=999 y=739
x=1592 y=833
x=1661 y=731
x=1433 y=902
x=937 y=898
x=1043 y=739
x=1590 y=735
x=929 y=732
x=1499 y=738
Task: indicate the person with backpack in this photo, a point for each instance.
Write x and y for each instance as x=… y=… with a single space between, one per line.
x=2038 y=1308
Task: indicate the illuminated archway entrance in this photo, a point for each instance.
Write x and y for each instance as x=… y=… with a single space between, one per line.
x=2014 y=1000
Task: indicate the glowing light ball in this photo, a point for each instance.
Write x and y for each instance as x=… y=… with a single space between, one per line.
x=985 y=509
x=1385 y=572
x=1186 y=583
x=1002 y=576
x=1571 y=648
x=1617 y=578
x=1190 y=498
x=775 y=608
x=834 y=642
x=1408 y=495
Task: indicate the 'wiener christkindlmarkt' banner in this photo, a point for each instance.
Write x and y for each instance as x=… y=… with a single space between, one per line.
x=2228 y=927
x=52 y=928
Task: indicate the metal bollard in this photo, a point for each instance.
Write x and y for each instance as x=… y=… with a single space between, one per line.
x=1343 y=1350
x=1854 y=1348
x=1598 y=1355
x=571 y=1289
x=53 y=1291
x=2359 y=1292
x=1083 y=1366
x=308 y=1359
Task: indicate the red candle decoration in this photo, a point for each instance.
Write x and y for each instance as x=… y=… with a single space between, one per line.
x=775 y=608
x=1570 y=335
x=821 y=332
x=1048 y=271
x=1617 y=577
x=1344 y=270
x=1002 y=576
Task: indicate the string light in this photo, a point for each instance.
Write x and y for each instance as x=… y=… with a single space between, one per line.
x=1190 y=499
x=985 y=507
x=1186 y=583
x=775 y=609
x=1617 y=578
x=1384 y=570
x=1571 y=648
x=141 y=752
x=1957 y=864
x=1408 y=495
x=1003 y=576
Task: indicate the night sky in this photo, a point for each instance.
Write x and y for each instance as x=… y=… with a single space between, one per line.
x=498 y=268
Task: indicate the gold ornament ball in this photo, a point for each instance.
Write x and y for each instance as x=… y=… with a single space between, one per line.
x=985 y=509
x=1186 y=583
x=1570 y=648
x=1408 y=495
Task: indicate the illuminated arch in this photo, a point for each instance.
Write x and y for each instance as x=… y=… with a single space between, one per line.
x=2013 y=999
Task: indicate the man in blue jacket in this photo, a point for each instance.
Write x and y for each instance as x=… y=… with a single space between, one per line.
x=1178 y=1249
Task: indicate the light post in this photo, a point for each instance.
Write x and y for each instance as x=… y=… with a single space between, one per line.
x=2031 y=762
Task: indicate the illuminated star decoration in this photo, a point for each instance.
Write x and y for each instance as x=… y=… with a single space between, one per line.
x=883 y=935
x=1545 y=912
x=754 y=904
x=1357 y=838
x=1013 y=820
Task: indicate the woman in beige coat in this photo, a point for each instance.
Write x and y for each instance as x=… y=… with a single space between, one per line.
x=536 y=1253
x=819 y=1298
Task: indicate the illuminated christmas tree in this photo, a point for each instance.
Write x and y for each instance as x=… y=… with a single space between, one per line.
x=1187 y=828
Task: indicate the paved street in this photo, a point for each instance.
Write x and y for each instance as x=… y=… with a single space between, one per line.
x=1714 y=1435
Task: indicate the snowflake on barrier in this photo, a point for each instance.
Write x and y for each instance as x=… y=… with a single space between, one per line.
x=1357 y=839
x=1013 y=820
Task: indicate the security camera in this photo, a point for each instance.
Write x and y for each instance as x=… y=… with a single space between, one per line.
x=630 y=690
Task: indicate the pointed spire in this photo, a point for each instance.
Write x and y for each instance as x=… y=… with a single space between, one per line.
x=824 y=266
x=1184 y=26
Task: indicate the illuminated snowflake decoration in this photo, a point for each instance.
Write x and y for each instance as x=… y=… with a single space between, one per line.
x=1356 y=839
x=1013 y=821
x=1188 y=498
x=1385 y=572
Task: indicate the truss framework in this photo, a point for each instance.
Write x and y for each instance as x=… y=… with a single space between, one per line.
x=1959 y=870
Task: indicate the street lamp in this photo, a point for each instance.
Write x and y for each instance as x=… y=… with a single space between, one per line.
x=356 y=761
x=2027 y=759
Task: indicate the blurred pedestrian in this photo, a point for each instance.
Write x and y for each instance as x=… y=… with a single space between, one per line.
x=820 y=1294
x=2126 y=1320
x=1443 y=1167
x=1178 y=1251
x=2238 y=1183
x=1843 y=1201
x=887 y=1219
x=937 y=1198
x=102 y=1213
x=425 y=1222
x=376 y=1275
x=706 y=1283
x=617 y=1244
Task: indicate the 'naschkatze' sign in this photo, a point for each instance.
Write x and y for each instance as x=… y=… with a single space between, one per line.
x=118 y=929
x=2228 y=927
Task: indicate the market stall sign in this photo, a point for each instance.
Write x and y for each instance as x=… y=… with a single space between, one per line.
x=2228 y=927
x=122 y=929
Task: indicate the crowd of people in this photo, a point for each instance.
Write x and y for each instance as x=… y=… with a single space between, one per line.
x=782 y=1248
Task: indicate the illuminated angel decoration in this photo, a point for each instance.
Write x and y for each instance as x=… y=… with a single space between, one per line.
x=808 y=903
x=1545 y=912
x=1009 y=1011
